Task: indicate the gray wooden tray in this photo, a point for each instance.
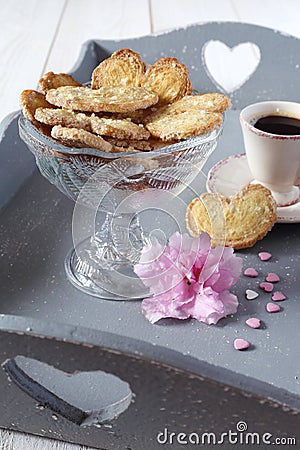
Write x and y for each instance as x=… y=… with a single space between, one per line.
x=185 y=375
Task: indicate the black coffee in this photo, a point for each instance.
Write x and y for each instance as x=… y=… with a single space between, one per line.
x=276 y=124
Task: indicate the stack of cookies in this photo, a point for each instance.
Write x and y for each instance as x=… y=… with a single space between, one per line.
x=129 y=107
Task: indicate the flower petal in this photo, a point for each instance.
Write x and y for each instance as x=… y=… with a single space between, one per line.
x=230 y=302
x=210 y=306
x=161 y=306
x=206 y=307
x=222 y=269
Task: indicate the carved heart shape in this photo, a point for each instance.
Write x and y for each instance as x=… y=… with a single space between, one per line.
x=229 y=68
x=237 y=221
x=85 y=398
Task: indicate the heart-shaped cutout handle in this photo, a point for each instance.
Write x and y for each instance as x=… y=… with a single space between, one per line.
x=85 y=398
x=230 y=67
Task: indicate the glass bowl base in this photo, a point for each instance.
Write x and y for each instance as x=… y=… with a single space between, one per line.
x=110 y=282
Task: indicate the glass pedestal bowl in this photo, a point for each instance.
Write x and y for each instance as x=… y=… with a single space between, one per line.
x=110 y=191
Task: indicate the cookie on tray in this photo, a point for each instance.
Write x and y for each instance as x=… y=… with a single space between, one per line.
x=123 y=68
x=74 y=137
x=53 y=80
x=105 y=99
x=238 y=221
x=168 y=78
x=120 y=129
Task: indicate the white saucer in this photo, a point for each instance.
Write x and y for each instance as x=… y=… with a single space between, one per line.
x=229 y=175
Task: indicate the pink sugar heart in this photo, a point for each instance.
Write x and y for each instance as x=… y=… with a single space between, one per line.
x=272 y=277
x=272 y=307
x=278 y=296
x=264 y=256
x=250 y=272
x=241 y=344
x=253 y=322
x=267 y=287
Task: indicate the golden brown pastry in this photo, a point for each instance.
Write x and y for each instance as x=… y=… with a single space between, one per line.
x=63 y=117
x=53 y=80
x=168 y=78
x=110 y=99
x=123 y=68
x=184 y=125
x=120 y=129
x=238 y=221
x=74 y=137
x=30 y=101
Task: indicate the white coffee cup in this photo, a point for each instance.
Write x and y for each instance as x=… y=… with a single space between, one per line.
x=274 y=159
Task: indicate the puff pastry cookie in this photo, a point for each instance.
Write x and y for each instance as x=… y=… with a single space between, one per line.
x=239 y=221
x=53 y=80
x=123 y=68
x=107 y=99
x=168 y=78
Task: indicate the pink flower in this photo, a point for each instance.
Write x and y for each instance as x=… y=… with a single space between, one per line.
x=188 y=278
